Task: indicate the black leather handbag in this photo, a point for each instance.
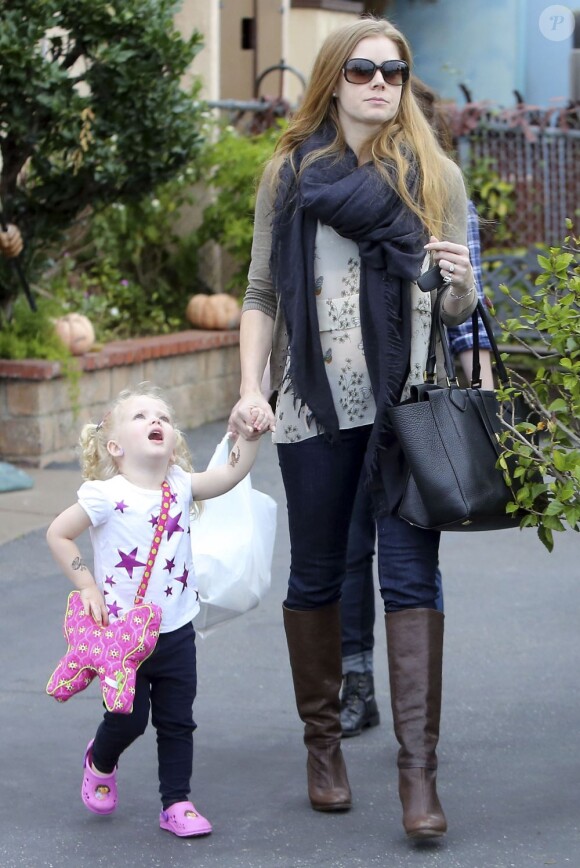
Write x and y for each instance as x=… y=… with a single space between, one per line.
x=449 y=436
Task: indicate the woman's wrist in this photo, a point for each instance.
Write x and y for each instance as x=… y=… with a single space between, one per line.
x=463 y=295
x=249 y=388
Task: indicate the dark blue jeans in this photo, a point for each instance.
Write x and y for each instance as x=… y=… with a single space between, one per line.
x=358 y=589
x=166 y=684
x=321 y=482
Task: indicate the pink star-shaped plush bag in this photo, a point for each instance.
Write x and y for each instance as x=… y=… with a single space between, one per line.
x=113 y=653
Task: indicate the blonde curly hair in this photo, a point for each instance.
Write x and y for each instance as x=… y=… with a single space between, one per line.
x=96 y=460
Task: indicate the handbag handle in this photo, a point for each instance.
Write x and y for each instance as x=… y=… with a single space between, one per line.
x=438 y=329
x=158 y=533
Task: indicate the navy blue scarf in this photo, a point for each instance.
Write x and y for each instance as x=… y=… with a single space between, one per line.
x=357 y=203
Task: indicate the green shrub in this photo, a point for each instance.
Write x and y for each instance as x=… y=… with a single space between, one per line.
x=550 y=315
x=234 y=162
x=131 y=273
x=92 y=112
x=31 y=334
x=494 y=200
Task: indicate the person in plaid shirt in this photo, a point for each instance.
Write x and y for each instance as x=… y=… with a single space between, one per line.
x=461 y=336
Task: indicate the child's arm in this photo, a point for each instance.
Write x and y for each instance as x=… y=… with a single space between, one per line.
x=60 y=537
x=218 y=480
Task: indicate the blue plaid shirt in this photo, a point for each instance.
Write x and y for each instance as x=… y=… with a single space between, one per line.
x=461 y=336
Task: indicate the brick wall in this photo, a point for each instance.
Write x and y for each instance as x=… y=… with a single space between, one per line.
x=41 y=413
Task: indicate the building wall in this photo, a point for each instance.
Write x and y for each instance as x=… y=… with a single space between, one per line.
x=283 y=34
x=236 y=65
x=546 y=61
x=473 y=44
x=272 y=44
x=307 y=30
x=203 y=16
x=492 y=46
x=241 y=66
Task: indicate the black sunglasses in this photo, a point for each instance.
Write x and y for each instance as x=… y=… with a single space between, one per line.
x=357 y=70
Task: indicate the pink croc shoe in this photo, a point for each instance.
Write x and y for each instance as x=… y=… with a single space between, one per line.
x=183 y=820
x=98 y=792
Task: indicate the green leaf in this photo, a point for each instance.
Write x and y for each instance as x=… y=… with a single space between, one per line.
x=546 y=537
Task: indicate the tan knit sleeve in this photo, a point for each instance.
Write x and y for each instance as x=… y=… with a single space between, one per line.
x=260 y=294
x=456 y=311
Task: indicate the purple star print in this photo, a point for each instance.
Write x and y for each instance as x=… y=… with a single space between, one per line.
x=114 y=609
x=183 y=579
x=121 y=506
x=129 y=561
x=173 y=525
x=168 y=591
x=169 y=565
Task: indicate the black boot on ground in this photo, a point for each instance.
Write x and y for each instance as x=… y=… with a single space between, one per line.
x=358 y=707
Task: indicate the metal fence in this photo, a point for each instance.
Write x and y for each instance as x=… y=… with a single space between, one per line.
x=543 y=165
x=536 y=151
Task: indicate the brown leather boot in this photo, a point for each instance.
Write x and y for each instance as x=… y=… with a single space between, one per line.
x=314 y=643
x=415 y=649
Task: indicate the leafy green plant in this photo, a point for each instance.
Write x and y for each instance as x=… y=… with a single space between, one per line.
x=234 y=163
x=494 y=200
x=131 y=273
x=91 y=112
x=548 y=468
x=31 y=335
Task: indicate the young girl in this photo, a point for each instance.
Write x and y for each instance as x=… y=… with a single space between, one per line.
x=125 y=459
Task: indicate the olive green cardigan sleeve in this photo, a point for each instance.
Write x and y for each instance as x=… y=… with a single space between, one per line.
x=260 y=294
x=456 y=311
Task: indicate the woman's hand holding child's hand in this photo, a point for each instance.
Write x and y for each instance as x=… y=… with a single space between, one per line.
x=251 y=417
x=260 y=420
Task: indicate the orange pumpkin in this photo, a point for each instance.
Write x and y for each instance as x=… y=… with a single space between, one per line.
x=76 y=332
x=219 y=311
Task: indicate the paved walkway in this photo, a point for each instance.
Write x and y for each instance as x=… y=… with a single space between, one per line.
x=509 y=759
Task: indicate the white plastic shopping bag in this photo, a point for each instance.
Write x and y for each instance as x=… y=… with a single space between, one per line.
x=232 y=543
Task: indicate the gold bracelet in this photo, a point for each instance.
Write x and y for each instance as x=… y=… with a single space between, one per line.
x=459 y=297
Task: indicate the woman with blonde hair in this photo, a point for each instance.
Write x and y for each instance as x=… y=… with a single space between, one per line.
x=356 y=195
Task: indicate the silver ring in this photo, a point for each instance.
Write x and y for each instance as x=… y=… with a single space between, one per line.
x=447 y=278
x=451 y=268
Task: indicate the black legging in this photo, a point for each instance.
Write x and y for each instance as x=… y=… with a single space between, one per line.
x=166 y=684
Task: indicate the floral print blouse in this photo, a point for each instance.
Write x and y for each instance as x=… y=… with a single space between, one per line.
x=337 y=276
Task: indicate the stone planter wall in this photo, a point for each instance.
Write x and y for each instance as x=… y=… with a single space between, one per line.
x=40 y=425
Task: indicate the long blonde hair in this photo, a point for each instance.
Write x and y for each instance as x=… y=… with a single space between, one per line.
x=96 y=460
x=407 y=135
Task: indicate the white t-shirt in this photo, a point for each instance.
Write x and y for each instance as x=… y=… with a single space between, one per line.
x=123 y=518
